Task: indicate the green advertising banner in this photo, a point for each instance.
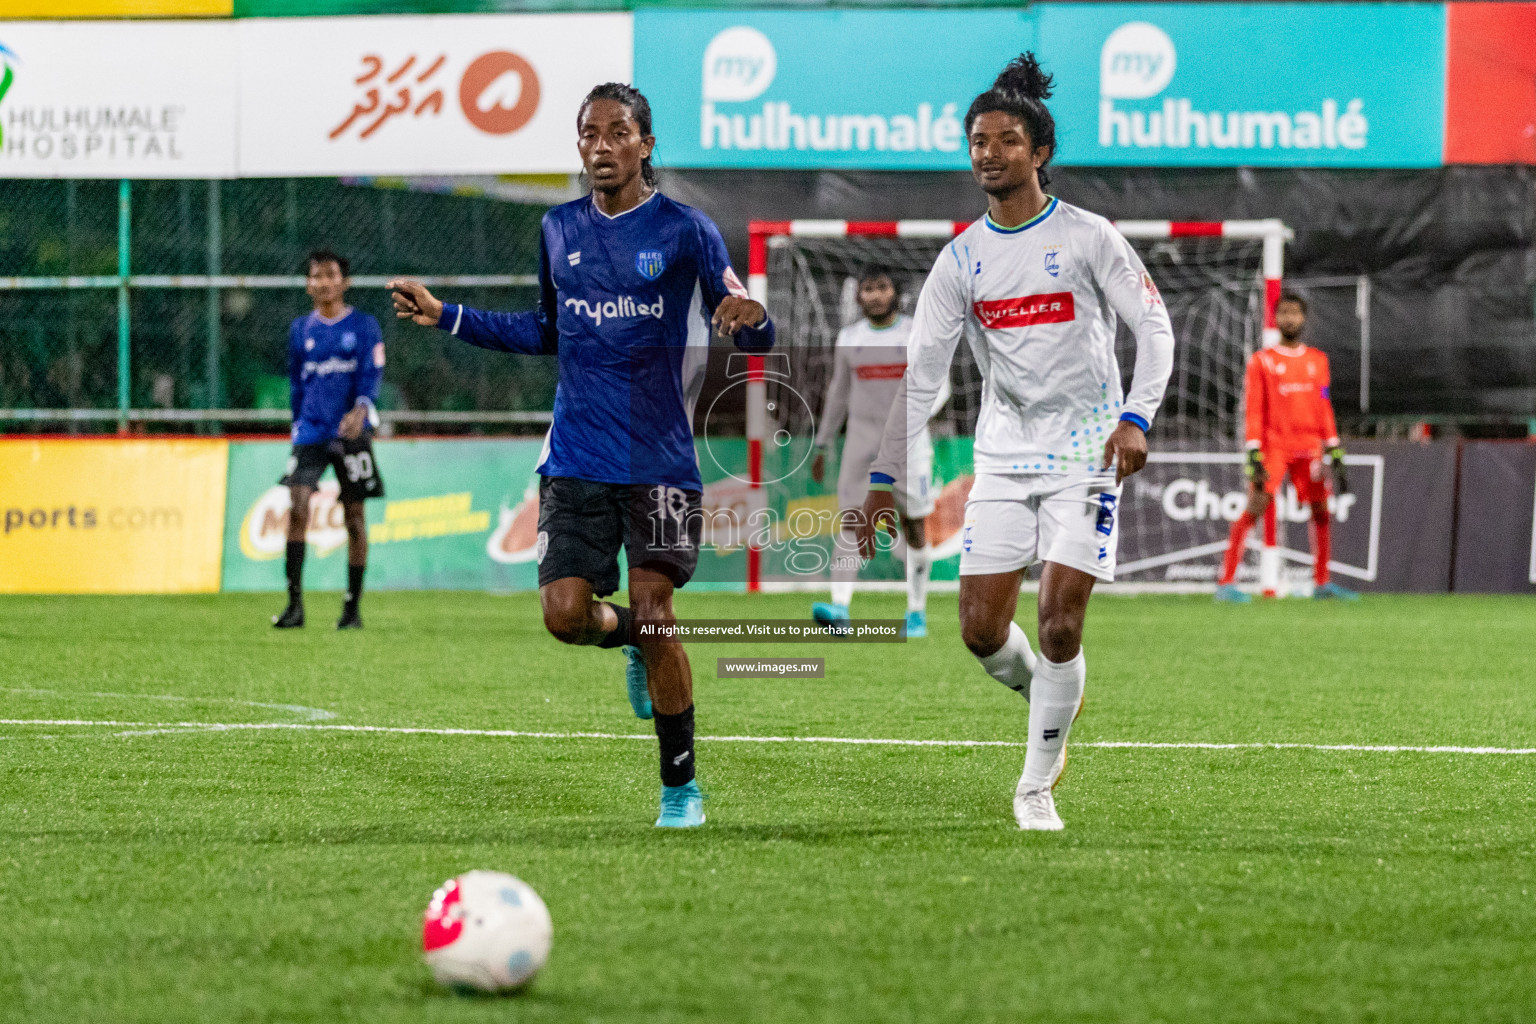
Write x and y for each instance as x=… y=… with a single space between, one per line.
x=463 y=515
x=458 y=515
x=804 y=515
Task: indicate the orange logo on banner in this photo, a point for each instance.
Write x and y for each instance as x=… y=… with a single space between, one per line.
x=499 y=93
x=483 y=104
x=402 y=102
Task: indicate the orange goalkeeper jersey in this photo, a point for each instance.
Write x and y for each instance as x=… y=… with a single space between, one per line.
x=1286 y=394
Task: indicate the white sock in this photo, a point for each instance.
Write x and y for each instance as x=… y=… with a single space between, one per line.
x=919 y=561
x=1012 y=664
x=1054 y=697
x=845 y=567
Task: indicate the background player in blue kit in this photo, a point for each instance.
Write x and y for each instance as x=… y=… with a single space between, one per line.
x=631 y=283
x=335 y=363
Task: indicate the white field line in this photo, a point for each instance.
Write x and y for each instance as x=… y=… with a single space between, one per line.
x=298 y=710
x=156 y=728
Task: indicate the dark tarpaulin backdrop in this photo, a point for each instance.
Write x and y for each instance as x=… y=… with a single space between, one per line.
x=1494 y=533
x=1451 y=254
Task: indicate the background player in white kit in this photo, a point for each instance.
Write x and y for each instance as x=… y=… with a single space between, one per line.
x=868 y=363
x=1038 y=287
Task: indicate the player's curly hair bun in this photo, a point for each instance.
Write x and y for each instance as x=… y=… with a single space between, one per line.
x=1024 y=76
x=1021 y=89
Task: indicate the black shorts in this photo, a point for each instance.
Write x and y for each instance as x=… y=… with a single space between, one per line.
x=353 y=461
x=582 y=525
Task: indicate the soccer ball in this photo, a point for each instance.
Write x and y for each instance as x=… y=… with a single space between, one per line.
x=486 y=930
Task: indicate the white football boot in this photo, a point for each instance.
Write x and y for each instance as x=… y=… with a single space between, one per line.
x=1035 y=810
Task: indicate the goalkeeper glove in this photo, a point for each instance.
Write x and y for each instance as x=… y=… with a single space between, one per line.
x=1254 y=469
x=1335 y=457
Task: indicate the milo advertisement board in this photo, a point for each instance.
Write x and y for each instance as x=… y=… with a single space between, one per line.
x=457 y=515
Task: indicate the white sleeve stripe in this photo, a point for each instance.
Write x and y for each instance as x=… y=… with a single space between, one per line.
x=458 y=319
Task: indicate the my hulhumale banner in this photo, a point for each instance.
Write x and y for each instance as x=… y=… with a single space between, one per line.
x=1315 y=85
x=1332 y=85
x=878 y=89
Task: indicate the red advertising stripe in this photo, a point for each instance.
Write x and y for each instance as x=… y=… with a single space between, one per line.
x=1194 y=228
x=1490 y=100
x=881 y=371
x=1051 y=308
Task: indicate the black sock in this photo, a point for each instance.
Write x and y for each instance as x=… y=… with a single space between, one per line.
x=674 y=733
x=621 y=633
x=295 y=569
x=355 y=583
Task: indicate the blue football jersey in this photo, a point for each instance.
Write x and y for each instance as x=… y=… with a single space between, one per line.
x=625 y=304
x=332 y=365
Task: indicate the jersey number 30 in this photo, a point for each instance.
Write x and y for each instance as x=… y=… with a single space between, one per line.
x=359 y=466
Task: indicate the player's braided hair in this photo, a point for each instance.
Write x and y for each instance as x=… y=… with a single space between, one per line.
x=639 y=109
x=1021 y=90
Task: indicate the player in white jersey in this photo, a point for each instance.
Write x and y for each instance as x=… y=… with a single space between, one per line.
x=1038 y=288
x=868 y=363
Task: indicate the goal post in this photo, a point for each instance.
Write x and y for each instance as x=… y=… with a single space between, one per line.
x=1221 y=282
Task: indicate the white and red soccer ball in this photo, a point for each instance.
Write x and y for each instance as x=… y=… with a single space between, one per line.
x=486 y=930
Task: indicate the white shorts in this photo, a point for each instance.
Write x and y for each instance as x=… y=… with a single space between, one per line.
x=1015 y=521
x=914 y=495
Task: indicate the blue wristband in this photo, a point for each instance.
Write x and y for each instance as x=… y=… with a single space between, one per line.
x=881 y=478
x=1130 y=417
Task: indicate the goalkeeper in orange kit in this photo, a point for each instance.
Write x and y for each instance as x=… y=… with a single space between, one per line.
x=1290 y=432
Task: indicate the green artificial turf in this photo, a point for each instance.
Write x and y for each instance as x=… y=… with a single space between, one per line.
x=271 y=875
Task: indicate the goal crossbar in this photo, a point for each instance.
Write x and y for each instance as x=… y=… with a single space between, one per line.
x=1272 y=233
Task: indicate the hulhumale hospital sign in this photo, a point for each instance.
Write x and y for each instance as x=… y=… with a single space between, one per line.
x=1137 y=84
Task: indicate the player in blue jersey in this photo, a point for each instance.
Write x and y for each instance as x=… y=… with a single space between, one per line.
x=631 y=283
x=335 y=362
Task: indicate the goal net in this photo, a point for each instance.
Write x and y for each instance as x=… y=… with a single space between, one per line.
x=1219 y=281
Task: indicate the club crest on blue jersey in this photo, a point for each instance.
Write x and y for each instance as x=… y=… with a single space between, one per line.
x=348 y=340
x=650 y=263
x=1052 y=265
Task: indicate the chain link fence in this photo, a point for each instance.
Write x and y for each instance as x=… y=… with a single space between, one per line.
x=218 y=341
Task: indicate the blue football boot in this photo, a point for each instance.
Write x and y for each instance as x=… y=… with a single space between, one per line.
x=681 y=806
x=1331 y=591
x=635 y=682
x=833 y=616
x=1228 y=593
x=917 y=625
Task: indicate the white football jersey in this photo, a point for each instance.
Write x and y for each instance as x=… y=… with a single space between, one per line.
x=1039 y=305
x=867 y=366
